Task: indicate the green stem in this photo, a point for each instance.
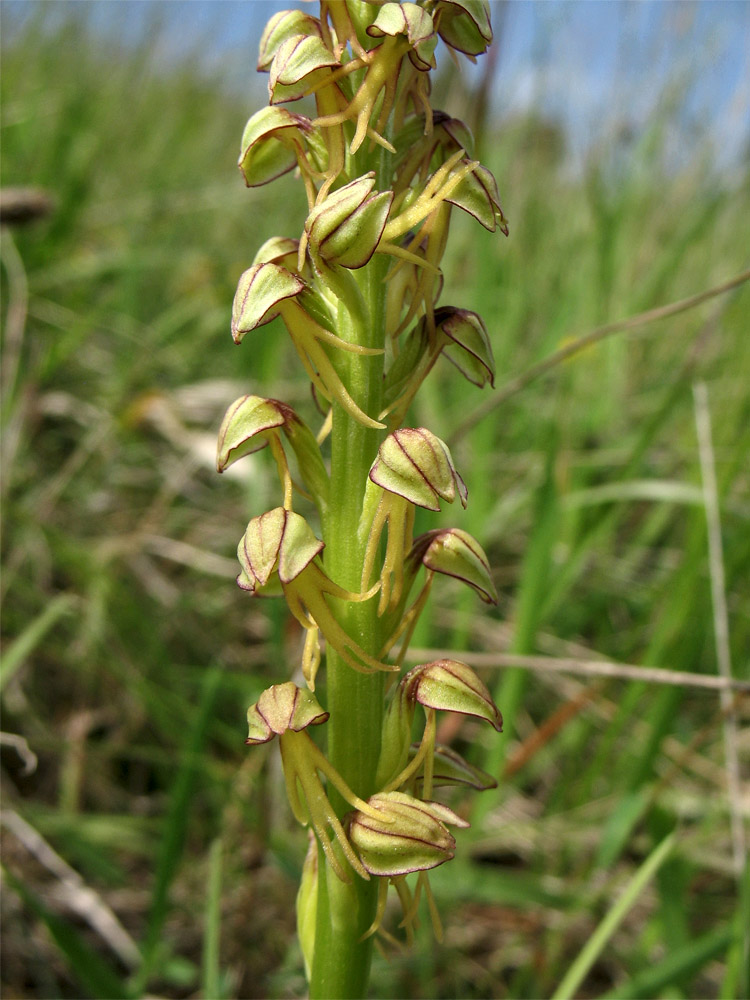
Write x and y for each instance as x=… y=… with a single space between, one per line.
x=341 y=963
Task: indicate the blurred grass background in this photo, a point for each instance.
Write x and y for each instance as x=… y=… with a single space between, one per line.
x=145 y=850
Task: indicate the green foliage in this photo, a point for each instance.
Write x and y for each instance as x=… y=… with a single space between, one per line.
x=115 y=519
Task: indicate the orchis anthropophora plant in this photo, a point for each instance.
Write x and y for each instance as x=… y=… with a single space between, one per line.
x=358 y=294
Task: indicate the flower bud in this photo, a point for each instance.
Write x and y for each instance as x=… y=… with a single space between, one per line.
x=281 y=27
x=272 y=144
x=346 y=227
x=412 y=835
x=280 y=708
x=452 y=687
x=454 y=552
x=415 y=464
x=298 y=65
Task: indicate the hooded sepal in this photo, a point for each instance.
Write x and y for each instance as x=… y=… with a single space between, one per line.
x=246 y=428
x=415 y=23
x=278 y=542
x=465 y=25
x=455 y=553
x=259 y=292
x=451 y=686
x=280 y=708
x=252 y=422
x=466 y=344
x=280 y=28
x=477 y=194
x=411 y=836
x=415 y=464
x=272 y=144
x=301 y=62
x=267 y=290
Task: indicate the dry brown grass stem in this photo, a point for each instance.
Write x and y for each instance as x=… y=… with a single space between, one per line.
x=721 y=619
x=579 y=343
x=586 y=668
x=71 y=892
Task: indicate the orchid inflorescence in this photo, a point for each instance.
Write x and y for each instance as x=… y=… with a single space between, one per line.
x=382 y=172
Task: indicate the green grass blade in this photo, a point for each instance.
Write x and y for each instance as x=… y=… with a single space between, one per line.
x=32 y=635
x=593 y=948
x=92 y=972
x=212 y=931
x=535 y=577
x=685 y=961
x=737 y=979
x=175 y=828
x=624 y=818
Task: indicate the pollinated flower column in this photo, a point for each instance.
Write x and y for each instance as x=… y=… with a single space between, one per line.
x=357 y=291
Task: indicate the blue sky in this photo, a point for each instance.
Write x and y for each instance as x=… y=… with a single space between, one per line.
x=598 y=65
